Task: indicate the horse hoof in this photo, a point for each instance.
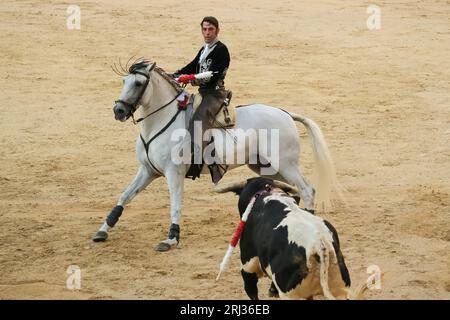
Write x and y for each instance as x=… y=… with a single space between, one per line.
x=162 y=247
x=166 y=245
x=100 y=236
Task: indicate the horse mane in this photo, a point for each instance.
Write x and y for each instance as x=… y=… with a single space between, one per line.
x=138 y=64
x=142 y=63
x=171 y=80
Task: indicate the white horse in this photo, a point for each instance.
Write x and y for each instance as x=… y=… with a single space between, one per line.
x=156 y=94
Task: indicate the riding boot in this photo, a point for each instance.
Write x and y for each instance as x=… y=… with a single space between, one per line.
x=195 y=168
x=210 y=105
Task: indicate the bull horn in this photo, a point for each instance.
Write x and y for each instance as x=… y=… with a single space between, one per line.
x=230 y=187
x=284 y=186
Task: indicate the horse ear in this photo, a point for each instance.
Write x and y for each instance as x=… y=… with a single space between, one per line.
x=151 y=67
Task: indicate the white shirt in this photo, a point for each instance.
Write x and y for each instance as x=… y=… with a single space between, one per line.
x=207 y=49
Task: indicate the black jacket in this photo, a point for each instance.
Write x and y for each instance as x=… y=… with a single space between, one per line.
x=217 y=60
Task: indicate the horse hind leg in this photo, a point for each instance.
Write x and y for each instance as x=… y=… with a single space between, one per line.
x=142 y=179
x=293 y=176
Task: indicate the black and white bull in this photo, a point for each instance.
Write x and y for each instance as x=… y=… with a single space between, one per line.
x=299 y=251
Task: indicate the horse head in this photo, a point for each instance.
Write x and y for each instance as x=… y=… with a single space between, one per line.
x=135 y=83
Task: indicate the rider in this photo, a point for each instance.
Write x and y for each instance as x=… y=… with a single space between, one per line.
x=213 y=56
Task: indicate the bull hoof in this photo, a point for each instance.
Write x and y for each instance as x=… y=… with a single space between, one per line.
x=166 y=245
x=273 y=292
x=100 y=236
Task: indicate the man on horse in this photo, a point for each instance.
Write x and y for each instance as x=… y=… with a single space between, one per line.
x=214 y=57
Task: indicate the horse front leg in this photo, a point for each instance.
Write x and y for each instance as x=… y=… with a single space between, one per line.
x=140 y=182
x=175 y=181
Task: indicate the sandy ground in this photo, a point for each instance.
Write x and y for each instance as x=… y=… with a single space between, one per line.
x=381 y=98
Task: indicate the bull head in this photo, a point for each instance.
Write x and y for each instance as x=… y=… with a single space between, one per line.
x=237 y=187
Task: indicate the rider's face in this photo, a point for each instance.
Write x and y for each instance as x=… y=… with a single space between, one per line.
x=209 y=32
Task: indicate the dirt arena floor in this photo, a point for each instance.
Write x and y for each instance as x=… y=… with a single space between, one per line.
x=381 y=98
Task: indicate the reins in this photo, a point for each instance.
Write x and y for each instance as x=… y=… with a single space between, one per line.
x=160 y=108
x=147 y=144
x=172 y=120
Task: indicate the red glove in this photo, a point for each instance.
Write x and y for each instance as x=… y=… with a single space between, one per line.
x=185 y=78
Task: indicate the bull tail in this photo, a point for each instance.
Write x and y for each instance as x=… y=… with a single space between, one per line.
x=324 y=254
x=325 y=174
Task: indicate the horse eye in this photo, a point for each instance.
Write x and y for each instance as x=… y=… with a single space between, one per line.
x=138 y=84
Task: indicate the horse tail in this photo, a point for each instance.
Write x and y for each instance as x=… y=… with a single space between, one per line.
x=324 y=174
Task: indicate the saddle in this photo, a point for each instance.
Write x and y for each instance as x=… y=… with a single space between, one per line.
x=225 y=117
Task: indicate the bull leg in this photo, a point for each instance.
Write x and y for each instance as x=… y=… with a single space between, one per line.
x=250 y=284
x=140 y=182
x=175 y=181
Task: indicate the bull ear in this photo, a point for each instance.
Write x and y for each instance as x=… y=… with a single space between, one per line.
x=235 y=187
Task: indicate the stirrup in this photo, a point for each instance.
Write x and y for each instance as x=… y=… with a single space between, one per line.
x=194 y=171
x=217 y=172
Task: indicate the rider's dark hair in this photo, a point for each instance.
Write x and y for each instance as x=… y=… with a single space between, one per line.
x=211 y=20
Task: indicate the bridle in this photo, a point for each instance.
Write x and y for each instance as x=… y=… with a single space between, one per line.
x=133 y=106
